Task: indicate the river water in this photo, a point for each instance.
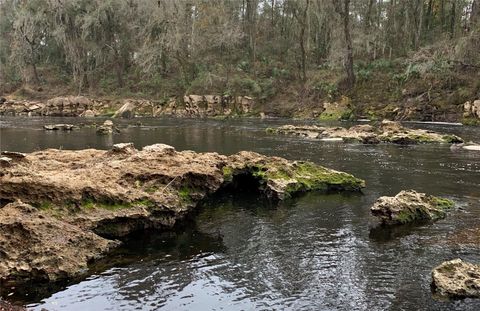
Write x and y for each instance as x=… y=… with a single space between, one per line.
x=317 y=252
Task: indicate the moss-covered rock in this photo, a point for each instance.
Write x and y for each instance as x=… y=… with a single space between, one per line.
x=386 y=132
x=337 y=110
x=280 y=179
x=409 y=206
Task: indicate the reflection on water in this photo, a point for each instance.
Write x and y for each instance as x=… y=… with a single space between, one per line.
x=317 y=252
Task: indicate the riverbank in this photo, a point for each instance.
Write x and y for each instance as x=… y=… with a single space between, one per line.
x=415 y=88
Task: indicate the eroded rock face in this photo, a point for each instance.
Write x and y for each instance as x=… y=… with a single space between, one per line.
x=36 y=245
x=71 y=106
x=69 y=205
x=127 y=111
x=67 y=106
x=21 y=107
x=207 y=106
x=456 y=279
x=387 y=132
x=408 y=206
x=190 y=106
x=472 y=109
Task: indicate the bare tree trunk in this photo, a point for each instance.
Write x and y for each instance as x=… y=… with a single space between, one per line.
x=453 y=14
x=418 y=34
x=475 y=14
x=368 y=17
x=428 y=22
x=252 y=29
x=303 y=39
x=35 y=74
x=348 y=62
x=119 y=71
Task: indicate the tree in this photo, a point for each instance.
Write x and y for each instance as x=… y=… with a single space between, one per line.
x=251 y=21
x=343 y=10
x=29 y=32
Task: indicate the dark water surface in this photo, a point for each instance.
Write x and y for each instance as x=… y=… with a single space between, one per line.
x=317 y=252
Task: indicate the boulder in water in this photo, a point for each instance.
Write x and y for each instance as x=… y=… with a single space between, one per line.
x=386 y=132
x=60 y=127
x=107 y=128
x=456 y=279
x=408 y=206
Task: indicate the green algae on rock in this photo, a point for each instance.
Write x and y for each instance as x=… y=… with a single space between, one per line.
x=386 y=132
x=280 y=179
x=409 y=206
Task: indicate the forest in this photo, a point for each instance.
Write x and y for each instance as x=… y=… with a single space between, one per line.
x=288 y=54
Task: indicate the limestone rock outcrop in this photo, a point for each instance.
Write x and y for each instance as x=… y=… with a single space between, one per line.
x=60 y=127
x=409 y=206
x=456 y=279
x=66 y=208
x=386 y=132
x=127 y=111
x=472 y=109
x=39 y=246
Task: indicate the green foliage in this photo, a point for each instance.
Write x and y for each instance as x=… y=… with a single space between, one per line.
x=244 y=85
x=412 y=71
x=471 y=121
x=363 y=75
x=330 y=89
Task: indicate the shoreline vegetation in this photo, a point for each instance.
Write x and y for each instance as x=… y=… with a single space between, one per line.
x=293 y=59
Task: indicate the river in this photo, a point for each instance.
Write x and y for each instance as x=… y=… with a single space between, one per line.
x=316 y=252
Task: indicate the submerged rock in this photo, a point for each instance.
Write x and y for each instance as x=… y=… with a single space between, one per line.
x=70 y=204
x=60 y=127
x=456 y=279
x=408 y=206
x=386 y=132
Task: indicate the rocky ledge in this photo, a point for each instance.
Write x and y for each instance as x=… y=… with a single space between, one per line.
x=456 y=279
x=385 y=132
x=408 y=206
x=63 y=209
